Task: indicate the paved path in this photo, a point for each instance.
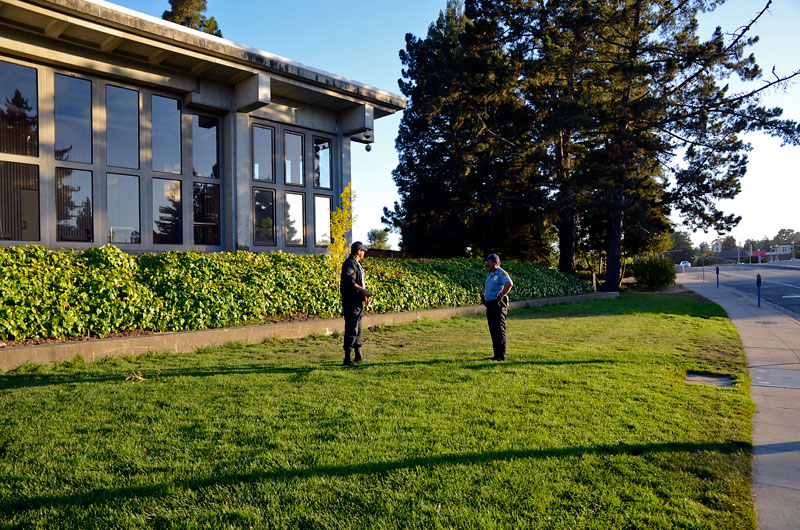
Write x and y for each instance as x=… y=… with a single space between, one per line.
x=771 y=341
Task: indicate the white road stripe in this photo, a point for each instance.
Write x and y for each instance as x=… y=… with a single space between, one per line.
x=749 y=277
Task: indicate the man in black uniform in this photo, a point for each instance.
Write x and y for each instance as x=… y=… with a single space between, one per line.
x=355 y=298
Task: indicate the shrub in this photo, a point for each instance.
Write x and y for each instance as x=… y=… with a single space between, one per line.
x=51 y=294
x=651 y=273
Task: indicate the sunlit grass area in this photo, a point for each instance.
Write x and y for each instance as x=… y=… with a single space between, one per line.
x=587 y=425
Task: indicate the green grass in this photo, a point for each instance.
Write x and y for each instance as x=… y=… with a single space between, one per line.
x=588 y=425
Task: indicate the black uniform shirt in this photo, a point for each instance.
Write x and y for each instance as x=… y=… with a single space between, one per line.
x=351 y=275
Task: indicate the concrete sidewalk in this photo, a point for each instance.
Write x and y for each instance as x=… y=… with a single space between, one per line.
x=772 y=343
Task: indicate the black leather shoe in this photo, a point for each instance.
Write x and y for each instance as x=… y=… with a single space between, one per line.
x=348 y=362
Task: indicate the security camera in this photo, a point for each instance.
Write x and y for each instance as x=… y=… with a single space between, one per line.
x=368 y=148
x=368 y=133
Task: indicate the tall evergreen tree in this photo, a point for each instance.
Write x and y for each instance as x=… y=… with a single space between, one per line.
x=189 y=13
x=666 y=97
x=465 y=188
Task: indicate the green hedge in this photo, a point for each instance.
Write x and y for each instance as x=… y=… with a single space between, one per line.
x=52 y=294
x=651 y=273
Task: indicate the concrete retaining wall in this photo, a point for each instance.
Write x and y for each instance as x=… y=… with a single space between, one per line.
x=186 y=341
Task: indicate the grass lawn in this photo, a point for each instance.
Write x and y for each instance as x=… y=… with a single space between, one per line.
x=587 y=425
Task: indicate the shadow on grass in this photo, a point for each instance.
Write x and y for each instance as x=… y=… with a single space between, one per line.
x=687 y=304
x=9 y=382
x=106 y=495
x=480 y=363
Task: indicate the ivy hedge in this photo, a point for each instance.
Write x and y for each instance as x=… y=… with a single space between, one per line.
x=59 y=294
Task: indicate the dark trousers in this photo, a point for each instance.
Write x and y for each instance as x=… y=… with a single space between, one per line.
x=496 y=316
x=352 y=326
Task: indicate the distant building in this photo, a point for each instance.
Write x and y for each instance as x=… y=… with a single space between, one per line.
x=117 y=127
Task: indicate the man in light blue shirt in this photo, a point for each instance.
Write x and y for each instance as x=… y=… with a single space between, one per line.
x=495 y=290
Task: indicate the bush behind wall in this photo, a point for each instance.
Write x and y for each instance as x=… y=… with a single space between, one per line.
x=47 y=294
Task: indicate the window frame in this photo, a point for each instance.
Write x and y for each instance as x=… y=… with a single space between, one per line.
x=304 y=241
x=330 y=213
x=140 y=112
x=303 y=176
x=273 y=131
x=139 y=198
x=314 y=138
x=100 y=167
x=274 y=194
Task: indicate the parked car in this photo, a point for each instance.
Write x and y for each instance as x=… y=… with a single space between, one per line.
x=685 y=264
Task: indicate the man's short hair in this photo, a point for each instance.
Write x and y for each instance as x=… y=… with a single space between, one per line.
x=355 y=247
x=493 y=258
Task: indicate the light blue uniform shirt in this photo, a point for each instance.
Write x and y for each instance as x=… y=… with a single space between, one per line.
x=495 y=281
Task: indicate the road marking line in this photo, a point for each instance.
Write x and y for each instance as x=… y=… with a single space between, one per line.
x=771 y=281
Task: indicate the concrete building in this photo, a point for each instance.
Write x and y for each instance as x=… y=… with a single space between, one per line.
x=121 y=128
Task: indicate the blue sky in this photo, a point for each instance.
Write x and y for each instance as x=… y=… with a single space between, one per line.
x=361 y=41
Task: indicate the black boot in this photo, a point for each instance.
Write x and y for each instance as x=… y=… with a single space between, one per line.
x=359 y=357
x=347 y=361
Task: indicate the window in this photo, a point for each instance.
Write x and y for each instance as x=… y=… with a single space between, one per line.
x=123 y=208
x=73 y=119
x=322 y=163
x=205 y=156
x=206 y=214
x=263 y=217
x=74 y=213
x=263 y=159
x=167 y=212
x=122 y=127
x=293 y=158
x=19 y=201
x=322 y=221
x=166 y=148
x=294 y=219
x=19 y=114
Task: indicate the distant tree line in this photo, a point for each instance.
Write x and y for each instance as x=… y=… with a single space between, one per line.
x=574 y=128
x=682 y=249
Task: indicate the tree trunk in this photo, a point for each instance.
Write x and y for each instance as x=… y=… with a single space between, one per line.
x=614 y=260
x=567 y=228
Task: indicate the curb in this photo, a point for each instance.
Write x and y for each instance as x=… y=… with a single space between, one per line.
x=186 y=341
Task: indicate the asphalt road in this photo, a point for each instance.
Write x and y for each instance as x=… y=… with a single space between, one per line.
x=780 y=284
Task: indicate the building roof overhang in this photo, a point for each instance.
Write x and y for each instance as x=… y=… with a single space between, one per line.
x=110 y=29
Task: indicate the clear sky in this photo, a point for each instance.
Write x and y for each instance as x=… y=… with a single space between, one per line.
x=361 y=40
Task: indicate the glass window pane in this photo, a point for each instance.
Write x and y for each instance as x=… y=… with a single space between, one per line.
x=122 y=127
x=262 y=154
x=206 y=214
x=166 y=115
x=73 y=113
x=294 y=218
x=19 y=112
x=322 y=221
x=19 y=202
x=167 y=212
x=322 y=163
x=264 y=217
x=204 y=146
x=293 y=155
x=123 y=208
x=74 y=213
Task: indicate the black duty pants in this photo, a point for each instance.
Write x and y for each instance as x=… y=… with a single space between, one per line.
x=496 y=315
x=352 y=326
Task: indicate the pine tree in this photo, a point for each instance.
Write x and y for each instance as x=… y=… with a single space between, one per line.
x=667 y=96
x=464 y=186
x=189 y=13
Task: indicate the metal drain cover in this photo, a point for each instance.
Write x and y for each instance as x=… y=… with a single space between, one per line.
x=723 y=381
x=775 y=377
